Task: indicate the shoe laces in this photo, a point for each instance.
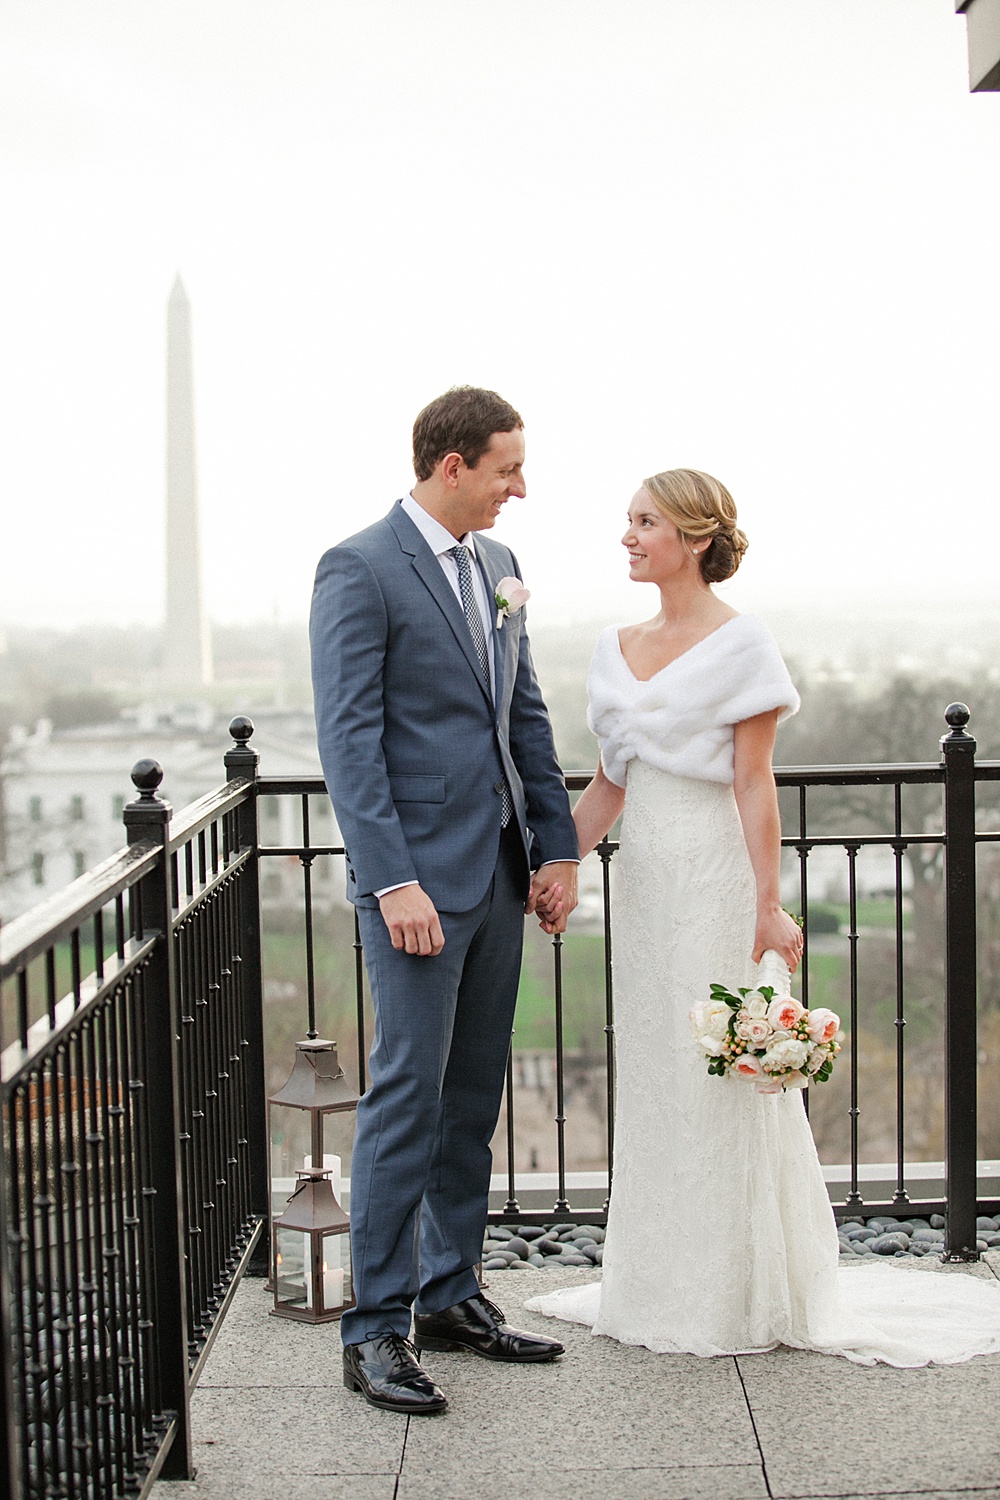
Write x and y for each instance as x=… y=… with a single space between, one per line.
x=401 y=1347
x=492 y=1308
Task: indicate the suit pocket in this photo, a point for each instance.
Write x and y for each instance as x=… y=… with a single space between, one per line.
x=416 y=788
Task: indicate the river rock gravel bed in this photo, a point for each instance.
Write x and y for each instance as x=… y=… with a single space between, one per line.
x=544 y=1246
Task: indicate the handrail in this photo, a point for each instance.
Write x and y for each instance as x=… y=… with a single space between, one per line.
x=27 y=937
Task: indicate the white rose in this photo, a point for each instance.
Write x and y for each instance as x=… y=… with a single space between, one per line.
x=743 y=1028
x=696 y=1015
x=795 y=1081
x=714 y=1046
x=715 y=1022
x=759 y=1032
x=786 y=1054
x=756 y=1005
x=817 y=1057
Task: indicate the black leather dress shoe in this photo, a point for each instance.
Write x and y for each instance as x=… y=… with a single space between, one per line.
x=386 y=1372
x=478 y=1325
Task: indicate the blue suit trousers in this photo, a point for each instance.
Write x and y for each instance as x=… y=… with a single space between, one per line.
x=420 y=1169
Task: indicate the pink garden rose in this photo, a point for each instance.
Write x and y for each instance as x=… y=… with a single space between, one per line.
x=769 y=1085
x=784 y=1012
x=748 y=1066
x=823 y=1024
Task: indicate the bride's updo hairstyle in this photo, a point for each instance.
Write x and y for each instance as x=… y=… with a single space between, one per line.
x=701 y=507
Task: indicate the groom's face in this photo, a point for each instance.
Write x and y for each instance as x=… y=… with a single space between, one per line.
x=482 y=492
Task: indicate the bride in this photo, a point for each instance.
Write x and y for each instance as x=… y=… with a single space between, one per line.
x=720 y=1236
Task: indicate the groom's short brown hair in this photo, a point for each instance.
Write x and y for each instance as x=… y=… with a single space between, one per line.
x=461 y=421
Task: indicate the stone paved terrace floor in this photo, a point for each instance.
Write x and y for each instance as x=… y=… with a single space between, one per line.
x=272 y=1421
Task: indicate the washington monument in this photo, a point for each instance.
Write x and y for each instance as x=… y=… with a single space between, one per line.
x=187 y=654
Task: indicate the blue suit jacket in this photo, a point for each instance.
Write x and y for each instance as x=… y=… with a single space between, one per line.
x=413 y=745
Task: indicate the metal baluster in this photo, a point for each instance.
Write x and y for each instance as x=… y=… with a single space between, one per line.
x=46 y=1312
x=130 y=1358
x=359 y=998
x=854 y=1197
x=51 y=995
x=239 y=1160
x=561 y=1204
x=99 y=945
x=206 y=924
x=145 y=1192
x=900 y=1196
x=188 y=1148
x=23 y=1009
x=28 y=1352
x=100 y=1188
x=64 y=1166
x=605 y=851
x=802 y=849
x=76 y=1086
x=113 y=1235
x=307 y=860
x=511 y=1206
x=958 y=749
x=208 y=1096
x=12 y=1415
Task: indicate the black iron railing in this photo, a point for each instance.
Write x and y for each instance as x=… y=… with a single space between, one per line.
x=135 y=1161
x=955 y=776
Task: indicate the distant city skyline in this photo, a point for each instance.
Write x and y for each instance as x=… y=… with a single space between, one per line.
x=756 y=239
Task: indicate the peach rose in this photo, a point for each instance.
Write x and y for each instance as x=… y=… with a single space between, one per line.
x=784 y=1012
x=823 y=1024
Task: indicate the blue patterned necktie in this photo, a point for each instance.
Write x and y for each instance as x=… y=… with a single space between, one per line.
x=475 y=623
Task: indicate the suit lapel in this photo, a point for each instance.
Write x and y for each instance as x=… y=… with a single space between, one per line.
x=429 y=571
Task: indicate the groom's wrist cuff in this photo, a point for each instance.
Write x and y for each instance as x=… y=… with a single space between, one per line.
x=387 y=888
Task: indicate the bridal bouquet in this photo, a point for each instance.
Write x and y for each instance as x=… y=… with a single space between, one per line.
x=765 y=1037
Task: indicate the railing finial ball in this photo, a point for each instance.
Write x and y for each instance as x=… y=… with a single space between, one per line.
x=956 y=715
x=241 y=728
x=146 y=778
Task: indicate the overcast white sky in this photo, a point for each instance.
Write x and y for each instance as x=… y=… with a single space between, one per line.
x=757 y=237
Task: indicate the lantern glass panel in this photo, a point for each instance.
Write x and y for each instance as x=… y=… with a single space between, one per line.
x=313 y=1278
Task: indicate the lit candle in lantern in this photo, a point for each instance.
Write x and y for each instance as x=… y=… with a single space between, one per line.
x=333 y=1287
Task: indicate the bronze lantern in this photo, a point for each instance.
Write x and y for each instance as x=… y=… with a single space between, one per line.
x=311 y=1130
x=311 y=1247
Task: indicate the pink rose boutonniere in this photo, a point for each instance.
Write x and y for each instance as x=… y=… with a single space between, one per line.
x=510 y=595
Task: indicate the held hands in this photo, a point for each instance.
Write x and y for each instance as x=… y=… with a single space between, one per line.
x=553 y=895
x=412 y=920
x=777 y=930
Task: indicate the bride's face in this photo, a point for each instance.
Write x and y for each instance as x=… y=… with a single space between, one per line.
x=656 y=550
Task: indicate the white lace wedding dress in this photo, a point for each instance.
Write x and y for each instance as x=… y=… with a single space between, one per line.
x=721 y=1238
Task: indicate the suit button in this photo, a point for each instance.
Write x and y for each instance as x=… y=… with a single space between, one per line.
x=498 y=786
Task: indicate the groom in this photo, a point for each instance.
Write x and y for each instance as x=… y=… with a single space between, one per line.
x=439 y=760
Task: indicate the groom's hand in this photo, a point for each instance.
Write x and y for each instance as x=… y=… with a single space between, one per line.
x=412 y=920
x=553 y=894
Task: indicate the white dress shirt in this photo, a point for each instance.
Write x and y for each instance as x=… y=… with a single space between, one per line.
x=441 y=541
